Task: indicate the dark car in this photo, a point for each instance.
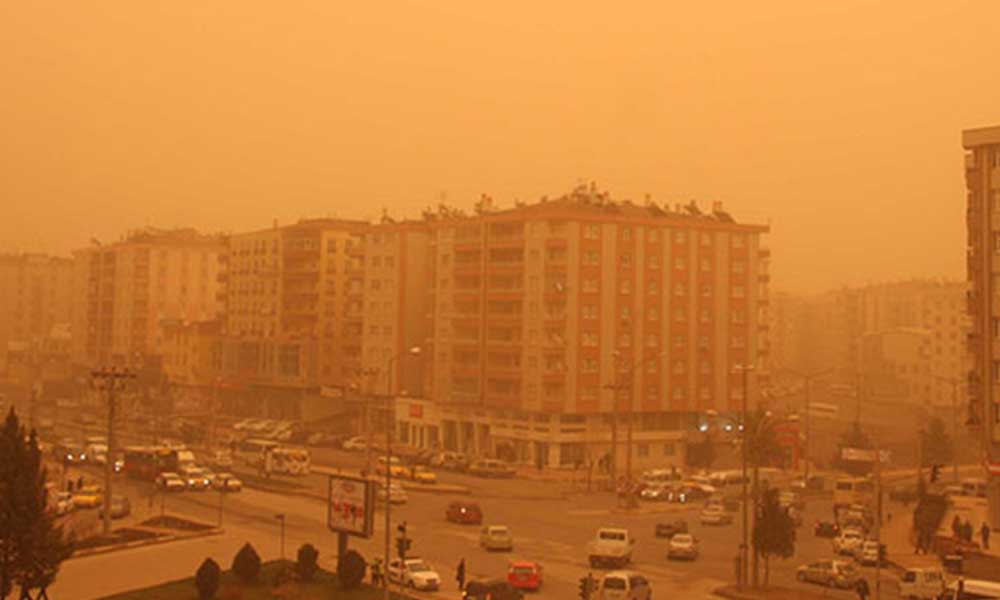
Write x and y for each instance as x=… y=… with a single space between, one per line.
x=669 y=530
x=466 y=513
x=826 y=529
x=491 y=589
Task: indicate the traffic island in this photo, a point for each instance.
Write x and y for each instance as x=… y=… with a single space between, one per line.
x=157 y=530
x=733 y=592
x=275 y=580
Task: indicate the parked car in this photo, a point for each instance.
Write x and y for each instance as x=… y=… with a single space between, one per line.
x=525 y=575
x=682 y=546
x=867 y=553
x=120 y=507
x=90 y=496
x=452 y=461
x=489 y=467
x=195 y=478
x=848 y=541
x=715 y=515
x=357 y=443
x=656 y=492
x=496 y=537
x=227 y=482
x=491 y=589
x=170 y=482
x=221 y=459
x=467 y=513
x=420 y=474
x=826 y=529
x=922 y=584
x=669 y=530
x=413 y=573
x=624 y=585
x=831 y=573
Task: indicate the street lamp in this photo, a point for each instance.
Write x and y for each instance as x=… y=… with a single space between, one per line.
x=389 y=425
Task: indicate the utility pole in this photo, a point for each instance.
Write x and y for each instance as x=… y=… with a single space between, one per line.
x=110 y=380
x=745 y=546
x=808 y=379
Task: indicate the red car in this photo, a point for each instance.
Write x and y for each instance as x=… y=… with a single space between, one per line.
x=467 y=513
x=525 y=575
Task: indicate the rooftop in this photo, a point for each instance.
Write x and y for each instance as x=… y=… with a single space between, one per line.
x=982 y=136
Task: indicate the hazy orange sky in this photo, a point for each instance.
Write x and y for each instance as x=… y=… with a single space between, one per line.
x=837 y=122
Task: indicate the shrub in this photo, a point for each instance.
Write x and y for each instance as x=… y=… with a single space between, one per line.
x=207 y=579
x=351 y=570
x=306 y=562
x=246 y=564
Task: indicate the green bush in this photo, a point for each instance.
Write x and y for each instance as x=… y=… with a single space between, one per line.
x=306 y=562
x=351 y=570
x=207 y=579
x=246 y=564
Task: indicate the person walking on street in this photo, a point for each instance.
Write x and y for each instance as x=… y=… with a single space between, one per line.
x=967 y=531
x=956 y=527
x=460 y=574
x=377 y=572
x=984 y=532
x=862 y=589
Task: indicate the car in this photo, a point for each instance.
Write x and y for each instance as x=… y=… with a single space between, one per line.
x=90 y=496
x=195 y=478
x=525 y=575
x=74 y=454
x=831 y=573
x=467 y=513
x=669 y=530
x=715 y=515
x=221 y=459
x=867 y=553
x=612 y=547
x=491 y=589
x=452 y=461
x=63 y=503
x=490 y=467
x=682 y=546
x=656 y=492
x=396 y=467
x=624 y=585
x=242 y=425
x=355 y=444
x=396 y=494
x=170 y=482
x=496 y=537
x=413 y=573
x=847 y=541
x=826 y=529
x=786 y=499
x=120 y=507
x=227 y=482
x=421 y=474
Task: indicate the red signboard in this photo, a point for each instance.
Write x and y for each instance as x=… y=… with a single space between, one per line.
x=416 y=411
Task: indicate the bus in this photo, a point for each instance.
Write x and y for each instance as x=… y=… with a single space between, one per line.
x=291 y=461
x=147 y=462
x=853 y=490
x=251 y=451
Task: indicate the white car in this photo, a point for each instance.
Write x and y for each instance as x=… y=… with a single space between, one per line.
x=866 y=553
x=170 y=482
x=847 y=542
x=682 y=546
x=413 y=573
x=196 y=478
x=624 y=585
x=356 y=444
x=227 y=482
x=396 y=495
x=715 y=514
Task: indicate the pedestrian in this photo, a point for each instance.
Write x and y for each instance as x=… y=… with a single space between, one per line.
x=956 y=527
x=460 y=574
x=79 y=483
x=862 y=589
x=984 y=532
x=967 y=531
x=377 y=572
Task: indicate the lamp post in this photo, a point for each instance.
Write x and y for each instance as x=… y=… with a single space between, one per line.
x=281 y=517
x=745 y=545
x=624 y=382
x=110 y=380
x=389 y=421
x=808 y=385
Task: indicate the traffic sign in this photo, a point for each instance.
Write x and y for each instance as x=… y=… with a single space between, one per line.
x=864 y=455
x=351 y=506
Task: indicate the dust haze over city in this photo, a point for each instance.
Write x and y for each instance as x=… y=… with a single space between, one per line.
x=455 y=300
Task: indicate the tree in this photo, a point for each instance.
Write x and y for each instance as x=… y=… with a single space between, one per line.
x=207 y=579
x=936 y=446
x=32 y=546
x=351 y=570
x=246 y=563
x=855 y=437
x=701 y=454
x=762 y=448
x=927 y=516
x=773 y=531
x=306 y=562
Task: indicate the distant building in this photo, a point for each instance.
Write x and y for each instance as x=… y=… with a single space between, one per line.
x=123 y=292
x=36 y=300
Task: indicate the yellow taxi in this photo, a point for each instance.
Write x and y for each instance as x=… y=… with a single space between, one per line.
x=396 y=467
x=90 y=496
x=421 y=474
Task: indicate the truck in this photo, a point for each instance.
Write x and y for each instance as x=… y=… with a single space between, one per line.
x=611 y=547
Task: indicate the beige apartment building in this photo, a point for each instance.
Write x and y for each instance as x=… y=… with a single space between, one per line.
x=548 y=320
x=125 y=290
x=36 y=301
x=982 y=180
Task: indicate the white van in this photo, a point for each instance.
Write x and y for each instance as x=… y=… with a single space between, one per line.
x=972 y=589
x=922 y=584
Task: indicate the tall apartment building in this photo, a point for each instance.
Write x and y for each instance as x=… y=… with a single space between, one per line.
x=539 y=310
x=36 y=299
x=126 y=289
x=982 y=180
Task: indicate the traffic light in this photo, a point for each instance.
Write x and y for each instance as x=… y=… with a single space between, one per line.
x=935 y=473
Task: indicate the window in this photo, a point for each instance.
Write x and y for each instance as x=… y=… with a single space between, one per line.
x=626 y=233
x=625 y=339
x=679 y=341
x=738 y=241
x=705 y=316
x=739 y=266
x=739 y=291
x=706 y=290
x=591 y=232
x=651 y=366
x=705 y=368
x=706 y=393
x=680 y=314
x=703 y=342
x=642 y=450
x=652 y=235
x=590 y=285
x=669 y=449
x=679 y=289
x=626 y=261
x=626 y=313
x=738 y=316
x=739 y=341
x=706 y=265
x=625 y=287
x=680 y=263
x=706 y=239
x=680 y=237
x=652 y=287
x=678 y=367
x=588 y=365
x=652 y=340
x=653 y=314
x=590 y=257
x=589 y=339
x=589 y=311
x=654 y=261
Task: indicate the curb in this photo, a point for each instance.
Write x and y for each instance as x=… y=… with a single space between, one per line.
x=141 y=543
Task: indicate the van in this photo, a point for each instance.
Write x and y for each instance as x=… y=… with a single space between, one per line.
x=624 y=585
x=921 y=584
x=972 y=589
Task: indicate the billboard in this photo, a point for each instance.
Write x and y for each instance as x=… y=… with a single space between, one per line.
x=351 y=506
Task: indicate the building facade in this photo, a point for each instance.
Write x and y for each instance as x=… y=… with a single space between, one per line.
x=125 y=290
x=982 y=179
x=36 y=301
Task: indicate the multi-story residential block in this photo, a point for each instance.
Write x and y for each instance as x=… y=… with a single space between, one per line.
x=125 y=290
x=36 y=300
x=982 y=180
x=551 y=320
